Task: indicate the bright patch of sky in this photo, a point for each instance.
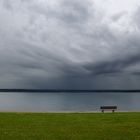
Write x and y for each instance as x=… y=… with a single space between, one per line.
x=113 y=7
x=118 y=14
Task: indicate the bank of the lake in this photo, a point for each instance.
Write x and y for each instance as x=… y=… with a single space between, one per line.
x=70 y=126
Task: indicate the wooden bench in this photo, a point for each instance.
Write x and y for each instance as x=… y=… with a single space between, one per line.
x=112 y=108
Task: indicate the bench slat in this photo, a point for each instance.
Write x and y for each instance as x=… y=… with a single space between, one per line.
x=108 y=107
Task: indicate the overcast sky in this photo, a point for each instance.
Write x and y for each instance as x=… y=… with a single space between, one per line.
x=73 y=44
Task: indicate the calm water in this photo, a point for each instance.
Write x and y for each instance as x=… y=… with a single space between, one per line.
x=68 y=101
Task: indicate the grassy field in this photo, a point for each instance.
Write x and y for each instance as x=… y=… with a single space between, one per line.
x=69 y=126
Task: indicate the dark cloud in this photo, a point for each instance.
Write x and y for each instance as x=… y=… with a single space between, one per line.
x=76 y=12
x=67 y=44
x=118 y=16
x=137 y=19
x=116 y=66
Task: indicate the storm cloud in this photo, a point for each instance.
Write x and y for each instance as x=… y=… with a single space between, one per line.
x=78 y=44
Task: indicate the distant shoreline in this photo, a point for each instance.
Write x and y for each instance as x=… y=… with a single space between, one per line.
x=67 y=90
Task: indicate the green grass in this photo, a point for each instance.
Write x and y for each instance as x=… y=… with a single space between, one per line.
x=69 y=126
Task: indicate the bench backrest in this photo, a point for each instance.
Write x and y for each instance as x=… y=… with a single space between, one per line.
x=108 y=107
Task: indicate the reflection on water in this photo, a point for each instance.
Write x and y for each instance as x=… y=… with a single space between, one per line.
x=68 y=101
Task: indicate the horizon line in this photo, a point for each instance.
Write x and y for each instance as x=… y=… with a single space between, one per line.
x=69 y=90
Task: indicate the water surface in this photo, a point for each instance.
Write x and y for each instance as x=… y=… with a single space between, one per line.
x=55 y=102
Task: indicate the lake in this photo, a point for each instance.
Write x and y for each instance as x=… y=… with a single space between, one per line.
x=59 y=102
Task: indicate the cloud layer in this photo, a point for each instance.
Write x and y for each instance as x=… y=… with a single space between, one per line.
x=69 y=44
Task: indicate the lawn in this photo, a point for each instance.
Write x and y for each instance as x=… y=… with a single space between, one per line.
x=69 y=126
